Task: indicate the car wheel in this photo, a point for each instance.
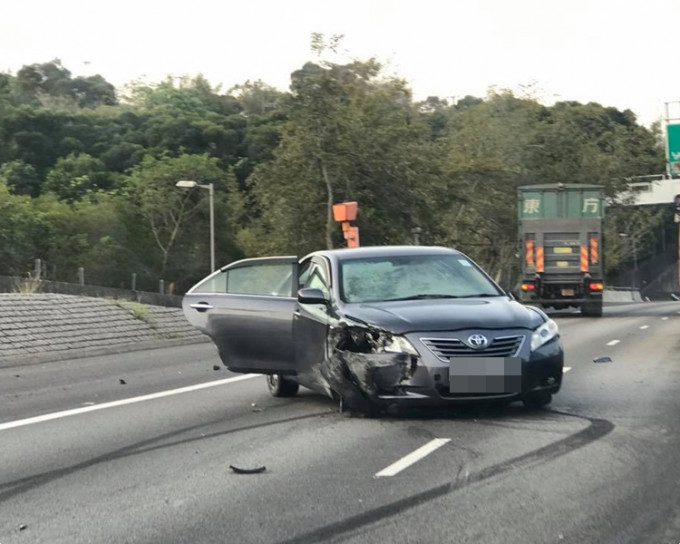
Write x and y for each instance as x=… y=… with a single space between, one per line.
x=537 y=400
x=281 y=387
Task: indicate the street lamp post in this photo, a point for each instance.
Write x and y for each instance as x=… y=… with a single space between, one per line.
x=186 y=184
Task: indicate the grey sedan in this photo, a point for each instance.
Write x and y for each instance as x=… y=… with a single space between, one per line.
x=376 y=326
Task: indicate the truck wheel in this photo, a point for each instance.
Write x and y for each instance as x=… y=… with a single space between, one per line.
x=592 y=309
x=281 y=387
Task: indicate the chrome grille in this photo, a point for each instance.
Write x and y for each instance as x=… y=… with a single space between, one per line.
x=444 y=348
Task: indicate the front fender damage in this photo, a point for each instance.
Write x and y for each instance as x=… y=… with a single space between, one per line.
x=361 y=365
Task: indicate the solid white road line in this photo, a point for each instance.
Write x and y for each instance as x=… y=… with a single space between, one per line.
x=566 y=369
x=613 y=342
x=413 y=457
x=123 y=402
x=643 y=327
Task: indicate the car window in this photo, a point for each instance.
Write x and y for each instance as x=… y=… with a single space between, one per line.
x=317 y=280
x=272 y=279
x=394 y=278
x=260 y=279
x=216 y=283
x=303 y=274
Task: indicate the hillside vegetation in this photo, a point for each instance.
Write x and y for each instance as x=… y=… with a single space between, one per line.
x=88 y=172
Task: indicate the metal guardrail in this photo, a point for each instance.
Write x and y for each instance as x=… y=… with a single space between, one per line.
x=12 y=284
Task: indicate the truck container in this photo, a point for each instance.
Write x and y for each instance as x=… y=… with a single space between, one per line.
x=560 y=233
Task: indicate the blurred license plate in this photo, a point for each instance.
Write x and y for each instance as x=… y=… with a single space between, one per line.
x=485 y=375
x=567 y=292
x=562 y=250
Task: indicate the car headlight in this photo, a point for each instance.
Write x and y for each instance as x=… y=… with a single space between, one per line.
x=399 y=344
x=543 y=334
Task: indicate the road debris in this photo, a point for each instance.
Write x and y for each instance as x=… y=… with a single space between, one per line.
x=256 y=470
x=121 y=381
x=216 y=367
x=603 y=359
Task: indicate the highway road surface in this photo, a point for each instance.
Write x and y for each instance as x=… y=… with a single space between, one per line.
x=137 y=448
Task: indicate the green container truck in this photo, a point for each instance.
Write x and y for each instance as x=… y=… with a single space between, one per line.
x=560 y=232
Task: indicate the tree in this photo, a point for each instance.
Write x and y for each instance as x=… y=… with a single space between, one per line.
x=21 y=178
x=77 y=176
x=484 y=158
x=166 y=209
x=350 y=135
x=51 y=85
x=18 y=231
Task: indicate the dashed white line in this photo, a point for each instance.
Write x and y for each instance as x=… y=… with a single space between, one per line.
x=413 y=457
x=566 y=369
x=122 y=402
x=643 y=327
x=613 y=342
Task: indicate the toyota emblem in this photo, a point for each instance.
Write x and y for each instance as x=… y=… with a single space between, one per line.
x=478 y=341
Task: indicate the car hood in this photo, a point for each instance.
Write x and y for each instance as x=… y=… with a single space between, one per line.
x=401 y=317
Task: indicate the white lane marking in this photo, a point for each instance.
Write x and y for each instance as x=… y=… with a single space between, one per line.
x=413 y=457
x=664 y=318
x=613 y=342
x=566 y=369
x=643 y=327
x=122 y=402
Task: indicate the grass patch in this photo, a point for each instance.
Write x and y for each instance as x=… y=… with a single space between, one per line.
x=137 y=311
x=28 y=285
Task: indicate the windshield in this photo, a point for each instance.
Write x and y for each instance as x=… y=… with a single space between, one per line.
x=413 y=277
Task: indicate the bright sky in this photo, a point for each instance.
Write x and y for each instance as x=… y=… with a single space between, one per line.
x=616 y=52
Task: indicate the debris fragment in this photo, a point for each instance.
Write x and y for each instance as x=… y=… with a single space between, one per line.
x=121 y=381
x=603 y=359
x=23 y=527
x=216 y=367
x=255 y=470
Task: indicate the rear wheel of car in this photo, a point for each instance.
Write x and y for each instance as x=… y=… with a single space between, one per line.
x=281 y=387
x=537 y=400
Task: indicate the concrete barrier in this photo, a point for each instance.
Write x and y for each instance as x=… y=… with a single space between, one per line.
x=621 y=294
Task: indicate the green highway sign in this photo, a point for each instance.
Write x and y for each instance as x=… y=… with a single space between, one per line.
x=673 y=139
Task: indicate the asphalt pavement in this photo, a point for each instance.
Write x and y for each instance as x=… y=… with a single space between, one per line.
x=137 y=447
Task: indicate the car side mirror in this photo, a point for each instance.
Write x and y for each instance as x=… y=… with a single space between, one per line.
x=311 y=295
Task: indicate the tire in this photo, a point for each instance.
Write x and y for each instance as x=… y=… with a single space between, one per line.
x=281 y=387
x=592 y=309
x=537 y=400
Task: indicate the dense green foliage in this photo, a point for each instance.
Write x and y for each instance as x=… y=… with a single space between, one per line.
x=88 y=172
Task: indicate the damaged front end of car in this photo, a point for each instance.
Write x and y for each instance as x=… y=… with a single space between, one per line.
x=367 y=366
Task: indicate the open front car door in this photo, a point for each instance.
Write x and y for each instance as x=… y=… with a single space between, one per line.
x=247 y=310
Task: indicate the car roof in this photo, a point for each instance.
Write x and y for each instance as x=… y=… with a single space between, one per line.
x=368 y=252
